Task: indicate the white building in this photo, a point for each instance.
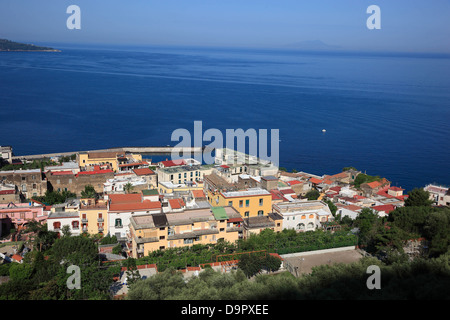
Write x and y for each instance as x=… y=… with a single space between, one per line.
x=57 y=220
x=303 y=215
x=117 y=184
x=440 y=195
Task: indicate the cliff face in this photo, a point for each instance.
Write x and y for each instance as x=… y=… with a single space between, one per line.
x=7 y=45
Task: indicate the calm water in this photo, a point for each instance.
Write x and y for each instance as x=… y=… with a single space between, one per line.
x=386 y=115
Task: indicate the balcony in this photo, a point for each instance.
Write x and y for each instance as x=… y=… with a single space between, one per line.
x=100 y=220
x=84 y=220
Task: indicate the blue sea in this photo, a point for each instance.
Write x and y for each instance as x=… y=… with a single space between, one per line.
x=385 y=114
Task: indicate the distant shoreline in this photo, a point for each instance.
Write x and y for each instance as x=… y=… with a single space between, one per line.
x=54 y=50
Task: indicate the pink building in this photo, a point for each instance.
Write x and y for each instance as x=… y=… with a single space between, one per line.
x=20 y=214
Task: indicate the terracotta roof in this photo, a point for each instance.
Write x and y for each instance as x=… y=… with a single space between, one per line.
x=125 y=198
x=172 y=163
x=143 y=171
x=293 y=182
x=352 y=207
x=17 y=257
x=94 y=172
x=385 y=207
x=374 y=184
x=396 y=189
x=198 y=194
x=315 y=180
x=287 y=191
x=337 y=189
x=61 y=173
x=136 y=206
x=8 y=192
x=176 y=203
x=132 y=164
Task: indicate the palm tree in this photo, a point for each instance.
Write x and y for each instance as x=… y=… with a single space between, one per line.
x=128 y=187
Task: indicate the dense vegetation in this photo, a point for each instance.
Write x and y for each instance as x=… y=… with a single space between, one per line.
x=420 y=279
x=43 y=273
x=287 y=241
x=386 y=237
x=54 y=197
x=364 y=178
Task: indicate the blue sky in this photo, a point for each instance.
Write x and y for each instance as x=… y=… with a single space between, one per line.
x=405 y=25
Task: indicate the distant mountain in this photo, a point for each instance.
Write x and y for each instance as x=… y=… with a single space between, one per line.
x=312 y=45
x=8 y=45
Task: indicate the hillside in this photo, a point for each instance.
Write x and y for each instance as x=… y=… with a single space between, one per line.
x=7 y=45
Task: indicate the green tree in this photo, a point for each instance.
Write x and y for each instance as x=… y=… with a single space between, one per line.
x=75 y=250
x=89 y=192
x=66 y=231
x=332 y=207
x=132 y=272
x=128 y=187
x=418 y=197
x=20 y=271
x=312 y=194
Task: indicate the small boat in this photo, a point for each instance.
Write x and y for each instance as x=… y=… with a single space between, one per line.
x=323 y=130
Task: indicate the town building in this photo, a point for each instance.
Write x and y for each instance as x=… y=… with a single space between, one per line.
x=76 y=183
x=302 y=215
x=183 y=174
x=110 y=159
x=252 y=202
x=172 y=230
x=254 y=225
x=57 y=220
x=6 y=154
x=28 y=182
x=18 y=215
x=8 y=193
x=439 y=194
x=121 y=207
x=93 y=215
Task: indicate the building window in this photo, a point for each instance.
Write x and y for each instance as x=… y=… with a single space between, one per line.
x=247 y=214
x=56 y=225
x=260 y=212
x=230 y=203
x=247 y=203
x=162 y=237
x=58 y=181
x=261 y=201
x=188 y=241
x=75 y=224
x=118 y=223
x=241 y=203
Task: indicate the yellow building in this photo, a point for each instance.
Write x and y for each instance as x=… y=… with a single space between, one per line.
x=111 y=159
x=94 y=216
x=200 y=226
x=249 y=203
